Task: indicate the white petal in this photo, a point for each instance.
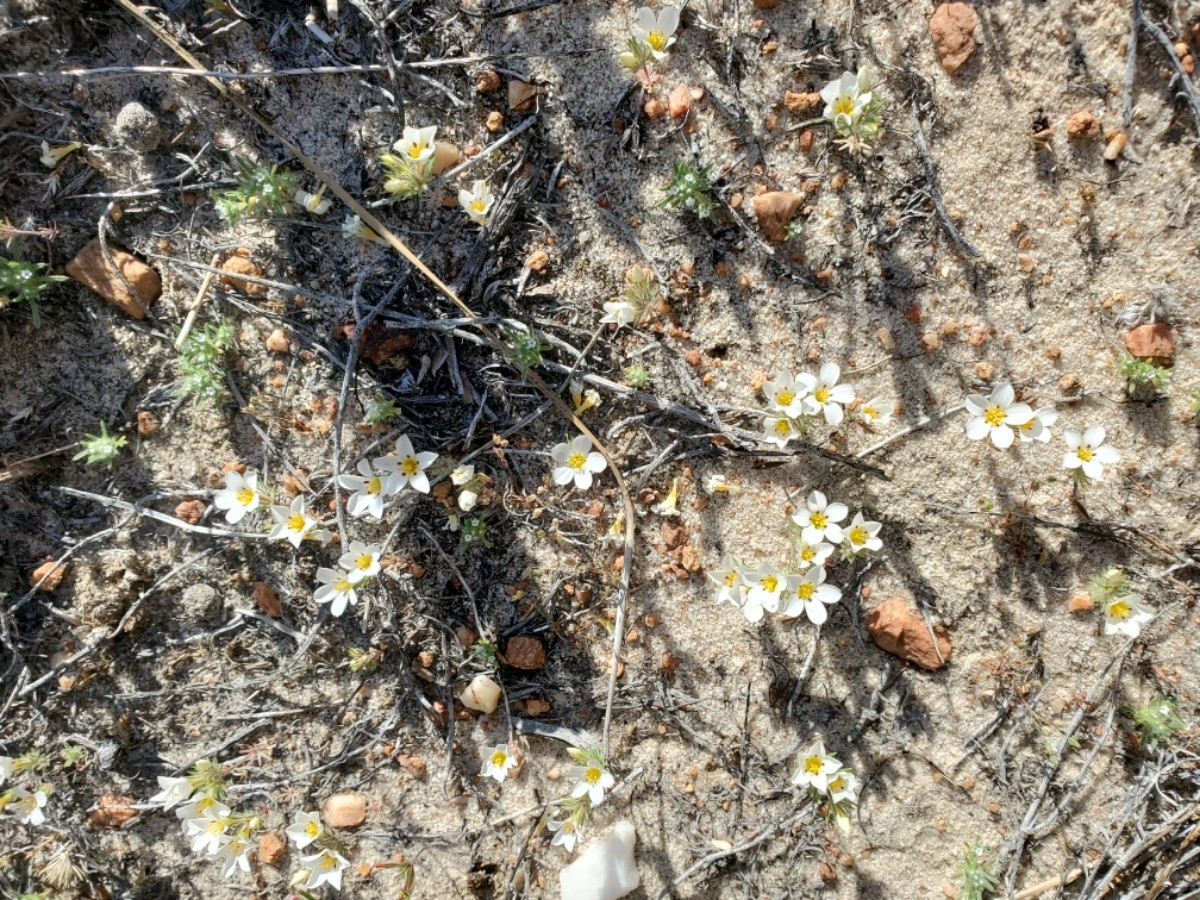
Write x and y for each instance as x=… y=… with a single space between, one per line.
x=976 y=405
x=1072 y=439
x=1106 y=455
x=977 y=429
x=563 y=475
x=815 y=610
x=1002 y=437
x=1093 y=470
x=830 y=373
x=1019 y=414
x=595 y=463
x=833 y=414
x=583 y=479
x=668 y=20
x=837 y=511
x=1003 y=395
x=419 y=482
x=647 y=21
x=404 y=447
x=1094 y=436
x=1071 y=461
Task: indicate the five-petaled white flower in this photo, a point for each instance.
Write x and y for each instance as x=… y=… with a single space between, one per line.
x=1037 y=428
x=360 y=561
x=462 y=475
x=813 y=554
x=731 y=587
x=996 y=415
x=819 y=519
x=416 y=144
x=779 y=430
x=862 y=535
x=1125 y=615
x=844 y=786
x=846 y=98
x=619 y=312
x=233 y=853
x=874 y=414
x=27 y=807
x=336 y=588
x=306 y=827
x=766 y=587
x=239 y=497
x=174 y=791
x=1088 y=452
x=812 y=595
x=477 y=201
x=370 y=486
x=408 y=468
x=657 y=31
x=325 y=867
x=496 y=762
x=317 y=204
x=825 y=395
x=817 y=767
x=353 y=226
x=198 y=807
x=787 y=395
x=566 y=833
x=576 y=462
x=206 y=829
x=292 y=523
x=717 y=483
x=593 y=780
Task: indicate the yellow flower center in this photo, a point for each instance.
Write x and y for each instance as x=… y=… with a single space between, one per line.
x=843 y=105
x=806 y=590
x=821 y=394
x=770 y=584
x=296 y=523
x=415 y=149
x=204 y=803
x=364 y=562
x=593 y=775
x=1084 y=453
x=812 y=765
x=730 y=579
x=1028 y=426
x=499 y=758
x=1120 y=609
x=311 y=829
x=785 y=398
x=656 y=39
x=870 y=412
x=410 y=466
x=568 y=826
x=576 y=460
x=216 y=826
x=858 y=535
x=782 y=427
x=343 y=585
x=818 y=520
x=375 y=485
x=808 y=554
x=327 y=862
x=478 y=205
x=994 y=416
x=245 y=496
x=837 y=784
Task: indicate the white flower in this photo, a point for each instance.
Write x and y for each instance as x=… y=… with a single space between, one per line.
x=862 y=535
x=408 y=468
x=174 y=791
x=786 y=395
x=996 y=415
x=317 y=204
x=467 y=500
x=336 y=588
x=233 y=853
x=206 y=829
x=670 y=503
x=462 y=475
x=27 y=807
x=1125 y=615
x=566 y=833
x=370 y=486
x=813 y=554
x=732 y=586
x=844 y=786
x=779 y=430
x=325 y=867
x=496 y=762
x=657 y=32
x=239 y=497
x=360 y=561
x=198 y=807
x=576 y=462
x=6 y=768
x=52 y=156
x=846 y=98
x=619 y=312
x=616 y=531
x=765 y=589
x=292 y=523
x=812 y=595
x=826 y=395
x=816 y=767
x=820 y=518
x=417 y=143
x=593 y=780
x=477 y=201
x=1088 y=452
x=719 y=484
x=353 y=227
x=1037 y=428
x=874 y=414
x=306 y=827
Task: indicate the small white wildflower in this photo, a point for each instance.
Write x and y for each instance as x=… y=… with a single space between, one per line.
x=844 y=787
x=174 y=791
x=1037 y=428
x=576 y=462
x=619 y=312
x=317 y=204
x=819 y=519
x=812 y=595
x=467 y=499
x=408 y=467
x=306 y=827
x=336 y=589
x=1126 y=615
x=27 y=807
x=292 y=523
x=370 y=488
x=657 y=31
x=462 y=475
x=846 y=99
x=862 y=535
x=239 y=497
x=766 y=587
x=360 y=561
x=325 y=867
x=826 y=396
x=52 y=156
x=786 y=395
x=353 y=227
x=593 y=780
x=670 y=503
x=732 y=587
x=616 y=531
x=477 y=201
x=584 y=398
x=779 y=430
x=232 y=853
x=496 y=762
x=566 y=833
x=816 y=767
x=1088 y=452
x=813 y=554
x=200 y=806
x=996 y=415
x=717 y=483
x=874 y=413
x=417 y=143
x=206 y=829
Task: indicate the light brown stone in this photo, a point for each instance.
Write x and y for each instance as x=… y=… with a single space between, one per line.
x=899 y=631
x=953 y=31
x=487 y=81
x=91 y=269
x=240 y=263
x=525 y=653
x=481 y=695
x=679 y=101
x=271 y=848
x=538 y=260
x=802 y=103
x=766 y=4
x=147 y=423
x=190 y=510
x=654 y=108
x=277 y=341
x=774 y=211
x=445 y=155
x=55 y=578
x=1083 y=126
x=267 y=599
x=521 y=96
x=112 y=811
x=348 y=810
x=1150 y=341
x=1080 y=603
x=495 y=121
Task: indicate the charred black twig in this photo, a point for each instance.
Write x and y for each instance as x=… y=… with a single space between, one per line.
x=1187 y=89
x=934 y=193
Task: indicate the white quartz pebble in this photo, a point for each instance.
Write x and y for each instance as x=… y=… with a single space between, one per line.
x=482 y=694
x=606 y=869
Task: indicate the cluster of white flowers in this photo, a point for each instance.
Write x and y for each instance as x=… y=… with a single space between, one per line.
x=470 y=482
x=852 y=107
x=826 y=778
x=385 y=477
x=327 y=864
x=340 y=587
x=796 y=399
x=575 y=461
x=214 y=829
x=24 y=806
x=1004 y=421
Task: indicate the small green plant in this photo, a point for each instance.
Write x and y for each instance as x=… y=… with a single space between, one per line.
x=472 y=530
x=260 y=190
x=405 y=177
x=201 y=375
x=483 y=650
x=100 y=448
x=20 y=282
x=72 y=755
x=973 y=873
x=1108 y=586
x=642 y=290
x=364 y=660
x=638 y=376
x=1157 y=720
x=525 y=350
x=794 y=230
x=1143 y=375
x=1050 y=739
x=689 y=189
x=381 y=409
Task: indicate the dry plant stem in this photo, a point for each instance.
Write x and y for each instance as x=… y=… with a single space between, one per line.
x=198 y=302
x=936 y=195
x=360 y=332
x=915 y=426
x=58 y=563
x=1185 y=81
x=139 y=510
x=1036 y=890
x=487 y=151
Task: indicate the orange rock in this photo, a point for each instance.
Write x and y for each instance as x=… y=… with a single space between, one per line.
x=1150 y=341
x=774 y=211
x=679 y=102
x=495 y=121
x=953 y=31
x=1083 y=126
x=55 y=578
x=654 y=108
x=1080 y=603
x=766 y=4
x=525 y=653
x=802 y=103
x=805 y=140
x=147 y=423
x=190 y=510
x=91 y=269
x=112 y=811
x=267 y=599
x=899 y=631
x=487 y=81
x=347 y=810
x=538 y=260
x=241 y=264
x=536 y=707
x=270 y=848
